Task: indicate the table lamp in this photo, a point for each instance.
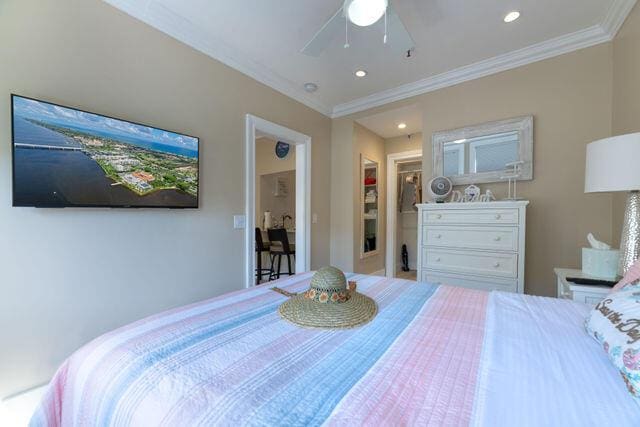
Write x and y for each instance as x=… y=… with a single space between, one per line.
x=613 y=164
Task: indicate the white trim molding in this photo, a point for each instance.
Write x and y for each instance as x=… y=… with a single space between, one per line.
x=596 y=34
x=616 y=15
x=392 y=212
x=302 y=143
x=162 y=18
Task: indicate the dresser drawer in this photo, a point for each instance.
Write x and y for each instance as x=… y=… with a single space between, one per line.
x=471 y=282
x=470 y=216
x=471 y=262
x=469 y=237
x=588 y=297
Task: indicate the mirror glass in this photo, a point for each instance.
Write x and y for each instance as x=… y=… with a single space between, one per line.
x=369 y=203
x=480 y=154
x=485 y=153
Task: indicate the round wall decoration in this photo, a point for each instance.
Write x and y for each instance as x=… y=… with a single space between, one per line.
x=282 y=149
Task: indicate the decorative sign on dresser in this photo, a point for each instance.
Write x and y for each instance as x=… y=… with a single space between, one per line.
x=473 y=245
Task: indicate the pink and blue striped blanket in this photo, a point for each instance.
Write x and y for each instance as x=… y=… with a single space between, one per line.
x=429 y=357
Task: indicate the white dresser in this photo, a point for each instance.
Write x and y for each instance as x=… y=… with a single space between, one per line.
x=474 y=245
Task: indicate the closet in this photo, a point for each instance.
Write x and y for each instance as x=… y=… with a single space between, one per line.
x=409 y=193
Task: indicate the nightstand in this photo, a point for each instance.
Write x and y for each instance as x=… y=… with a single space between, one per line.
x=582 y=293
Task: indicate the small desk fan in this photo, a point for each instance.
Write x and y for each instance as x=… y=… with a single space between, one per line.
x=439 y=188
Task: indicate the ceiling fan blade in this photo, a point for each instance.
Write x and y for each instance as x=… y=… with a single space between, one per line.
x=323 y=38
x=398 y=37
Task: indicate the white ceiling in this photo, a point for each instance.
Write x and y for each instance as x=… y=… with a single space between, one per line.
x=456 y=40
x=386 y=123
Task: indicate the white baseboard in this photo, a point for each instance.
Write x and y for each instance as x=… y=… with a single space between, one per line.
x=17 y=410
x=382 y=273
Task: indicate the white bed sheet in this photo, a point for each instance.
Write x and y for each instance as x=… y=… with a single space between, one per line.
x=540 y=368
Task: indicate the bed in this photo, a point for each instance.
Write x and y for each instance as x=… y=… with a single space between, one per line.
x=434 y=355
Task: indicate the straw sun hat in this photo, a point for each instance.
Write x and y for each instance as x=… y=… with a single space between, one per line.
x=329 y=304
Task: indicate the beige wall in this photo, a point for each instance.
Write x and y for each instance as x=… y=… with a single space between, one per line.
x=71 y=274
x=266 y=160
x=350 y=140
x=268 y=163
x=371 y=146
x=401 y=144
x=342 y=207
x=626 y=95
x=281 y=205
x=571 y=99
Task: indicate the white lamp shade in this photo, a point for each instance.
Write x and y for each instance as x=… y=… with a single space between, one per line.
x=613 y=164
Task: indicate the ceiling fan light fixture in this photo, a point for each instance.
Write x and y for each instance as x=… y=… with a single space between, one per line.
x=365 y=12
x=402 y=126
x=361 y=73
x=511 y=16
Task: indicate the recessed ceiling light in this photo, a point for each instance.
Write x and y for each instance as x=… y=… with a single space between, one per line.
x=512 y=16
x=402 y=126
x=310 y=87
x=361 y=73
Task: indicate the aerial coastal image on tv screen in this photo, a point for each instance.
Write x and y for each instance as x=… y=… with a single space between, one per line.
x=67 y=157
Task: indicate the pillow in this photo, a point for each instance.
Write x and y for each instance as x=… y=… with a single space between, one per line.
x=631 y=277
x=615 y=324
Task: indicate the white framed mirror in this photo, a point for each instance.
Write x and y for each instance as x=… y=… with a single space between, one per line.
x=482 y=153
x=369 y=202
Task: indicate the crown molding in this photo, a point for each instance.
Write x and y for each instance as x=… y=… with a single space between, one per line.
x=185 y=31
x=548 y=49
x=596 y=34
x=165 y=20
x=616 y=16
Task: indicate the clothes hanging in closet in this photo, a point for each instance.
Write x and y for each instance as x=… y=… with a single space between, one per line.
x=410 y=191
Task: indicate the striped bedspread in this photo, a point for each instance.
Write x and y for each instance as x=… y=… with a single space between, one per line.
x=426 y=359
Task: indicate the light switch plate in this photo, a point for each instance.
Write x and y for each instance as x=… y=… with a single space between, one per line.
x=239 y=221
x=314 y=218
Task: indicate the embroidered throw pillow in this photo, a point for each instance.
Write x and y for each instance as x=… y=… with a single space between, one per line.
x=615 y=324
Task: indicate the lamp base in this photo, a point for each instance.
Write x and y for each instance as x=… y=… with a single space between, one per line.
x=630 y=240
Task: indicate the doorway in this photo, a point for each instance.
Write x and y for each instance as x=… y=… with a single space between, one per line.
x=275 y=202
x=404 y=176
x=301 y=144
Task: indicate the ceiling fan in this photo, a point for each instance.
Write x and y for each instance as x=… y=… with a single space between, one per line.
x=362 y=13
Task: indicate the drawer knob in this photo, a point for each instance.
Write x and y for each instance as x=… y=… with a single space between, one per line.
x=498 y=216
x=438 y=236
x=497 y=239
x=439 y=216
x=438 y=259
x=496 y=265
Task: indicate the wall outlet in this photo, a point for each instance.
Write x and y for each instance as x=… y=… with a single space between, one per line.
x=314 y=218
x=239 y=221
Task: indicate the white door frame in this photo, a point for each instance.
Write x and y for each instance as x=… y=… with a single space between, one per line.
x=392 y=212
x=302 y=144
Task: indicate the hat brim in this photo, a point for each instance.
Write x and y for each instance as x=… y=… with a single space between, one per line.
x=356 y=311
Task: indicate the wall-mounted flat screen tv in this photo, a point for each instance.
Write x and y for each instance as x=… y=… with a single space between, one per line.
x=64 y=157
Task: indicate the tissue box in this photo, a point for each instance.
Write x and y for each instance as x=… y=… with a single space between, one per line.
x=600 y=263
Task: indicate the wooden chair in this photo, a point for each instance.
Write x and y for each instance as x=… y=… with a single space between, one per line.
x=280 y=247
